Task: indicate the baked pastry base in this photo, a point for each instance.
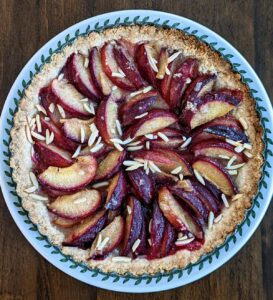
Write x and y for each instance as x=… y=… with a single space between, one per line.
x=210 y=61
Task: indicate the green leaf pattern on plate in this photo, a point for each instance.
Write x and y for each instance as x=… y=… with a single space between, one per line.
x=176 y=273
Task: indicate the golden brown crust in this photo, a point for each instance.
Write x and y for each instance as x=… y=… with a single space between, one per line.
x=210 y=61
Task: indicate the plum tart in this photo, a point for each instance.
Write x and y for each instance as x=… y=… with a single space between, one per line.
x=137 y=149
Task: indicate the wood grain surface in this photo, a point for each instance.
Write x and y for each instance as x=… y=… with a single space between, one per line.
x=25 y=27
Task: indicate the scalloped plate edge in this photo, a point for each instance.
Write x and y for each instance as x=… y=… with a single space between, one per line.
x=204 y=266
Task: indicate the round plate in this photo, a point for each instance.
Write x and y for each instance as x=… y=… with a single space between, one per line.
x=160 y=281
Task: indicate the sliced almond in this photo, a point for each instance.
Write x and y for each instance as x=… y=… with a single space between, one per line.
x=154 y=168
x=243 y=123
x=184 y=242
x=136 y=244
x=163 y=136
x=186 y=143
x=77 y=152
x=100 y=184
x=41 y=109
x=135 y=148
x=51 y=107
x=31 y=189
x=38 y=197
x=38 y=123
x=129 y=210
x=124 y=259
x=234 y=167
x=211 y=220
x=176 y=170
x=61 y=111
x=38 y=136
x=141 y=116
x=199 y=177
x=134 y=167
x=33 y=179
x=234 y=143
x=174 y=56
x=103 y=243
x=119 y=129
x=96 y=148
x=118 y=75
x=225 y=201
x=218 y=218
x=118 y=147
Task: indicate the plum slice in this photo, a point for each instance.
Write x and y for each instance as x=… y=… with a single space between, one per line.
x=172 y=143
x=133 y=224
x=212 y=105
x=219 y=132
x=143 y=62
x=126 y=63
x=52 y=155
x=216 y=148
x=136 y=106
x=200 y=86
x=48 y=98
x=178 y=216
x=228 y=120
x=157 y=228
x=71 y=178
x=165 y=83
x=143 y=184
x=69 y=98
x=204 y=194
x=129 y=46
x=52 y=193
x=111 y=68
x=166 y=160
x=64 y=223
x=182 y=74
x=116 y=192
x=76 y=206
x=155 y=120
x=142 y=248
x=102 y=82
x=106 y=117
x=160 y=103
x=226 y=132
x=108 y=239
x=164 y=179
x=59 y=139
x=78 y=74
x=214 y=172
x=191 y=200
x=171 y=132
x=110 y=164
x=83 y=234
x=104 y=150
x=168 y=240
x=112 y=214
x=77 y=130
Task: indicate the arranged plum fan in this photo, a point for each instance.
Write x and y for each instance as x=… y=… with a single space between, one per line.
x=137 y=151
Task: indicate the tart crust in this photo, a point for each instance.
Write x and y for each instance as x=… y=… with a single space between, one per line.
x=210 y=61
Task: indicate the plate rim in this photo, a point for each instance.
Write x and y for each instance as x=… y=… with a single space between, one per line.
x=149 y=287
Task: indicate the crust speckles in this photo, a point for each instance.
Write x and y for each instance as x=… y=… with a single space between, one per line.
x=210 y=61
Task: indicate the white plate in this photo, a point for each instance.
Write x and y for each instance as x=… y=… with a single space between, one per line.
x=159 y=282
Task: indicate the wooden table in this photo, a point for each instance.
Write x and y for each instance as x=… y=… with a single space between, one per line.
x=25 y=27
